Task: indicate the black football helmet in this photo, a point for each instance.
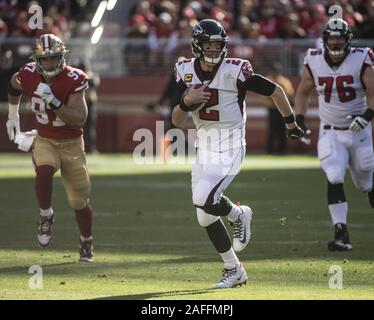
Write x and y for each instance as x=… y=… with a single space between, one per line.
x=208 y=30
x=337 y=27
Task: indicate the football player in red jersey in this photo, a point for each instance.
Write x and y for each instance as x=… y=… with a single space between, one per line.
x=56 y=93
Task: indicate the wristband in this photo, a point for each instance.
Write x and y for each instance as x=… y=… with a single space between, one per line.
x=300 y=119
x=13 y=111
x=289 y=119
x=183 y=106
x=55 y=104
x=369 y=114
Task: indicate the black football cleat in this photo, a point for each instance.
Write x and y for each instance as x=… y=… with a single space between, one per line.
x=371 y=197
x=341 y=240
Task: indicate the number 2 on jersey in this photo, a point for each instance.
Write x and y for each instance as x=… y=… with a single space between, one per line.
x=210 y=115
x=345 y=93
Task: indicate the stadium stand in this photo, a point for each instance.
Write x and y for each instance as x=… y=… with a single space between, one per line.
x=141 y=41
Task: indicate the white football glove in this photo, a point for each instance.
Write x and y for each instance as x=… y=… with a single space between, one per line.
x=45 y=93
x=12 y=126
x=358 y=124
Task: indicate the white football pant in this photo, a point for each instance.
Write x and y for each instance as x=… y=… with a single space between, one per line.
x=339 y=150
x=211 y=175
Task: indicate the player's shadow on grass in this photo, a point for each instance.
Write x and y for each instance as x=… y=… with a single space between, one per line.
x=153 y=214
x=149 y=295
x=24 y=269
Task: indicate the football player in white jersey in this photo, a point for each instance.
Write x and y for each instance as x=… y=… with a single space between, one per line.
x=213 y=87
x=344 y=79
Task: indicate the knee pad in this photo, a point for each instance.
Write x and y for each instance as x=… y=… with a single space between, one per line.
x=329 y=163
x=78 y=204
x=335 y=193
x=205 y=219
x=334 y=175
x=199 y=198
x=78 y=195
x=77 y=186
x=221 y=208
x=365 y=159
x=201 y=193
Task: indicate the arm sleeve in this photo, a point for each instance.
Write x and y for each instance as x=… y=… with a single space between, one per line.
x=180 y=86
x=168 y=90
x=260 y=85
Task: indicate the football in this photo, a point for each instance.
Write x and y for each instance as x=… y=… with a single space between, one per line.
x=194 y=106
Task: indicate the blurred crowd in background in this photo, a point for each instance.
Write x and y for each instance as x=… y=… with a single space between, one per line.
x=146 y=37
x=246 y=19
x=64 y=18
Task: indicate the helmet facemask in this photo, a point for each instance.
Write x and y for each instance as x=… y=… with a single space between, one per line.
x=337 y=28
x=50 y=73
x=207 y=55
x=200 y=36
x=49 y=46
x=337 y=50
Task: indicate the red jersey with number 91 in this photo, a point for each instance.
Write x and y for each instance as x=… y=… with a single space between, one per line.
x=69 y=81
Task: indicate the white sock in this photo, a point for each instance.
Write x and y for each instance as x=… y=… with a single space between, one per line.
x=86 y=239
x=46 y=213
x=234 y=213
x=339 y=212
x=230 y=259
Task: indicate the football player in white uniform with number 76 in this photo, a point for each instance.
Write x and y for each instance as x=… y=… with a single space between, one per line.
x=213 y=88
x=344 y=80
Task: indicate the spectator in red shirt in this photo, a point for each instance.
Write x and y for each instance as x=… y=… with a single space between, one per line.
x=49 y=27
x=269 y=23
x=291 y=28
x=3 y=29
x=21 y=27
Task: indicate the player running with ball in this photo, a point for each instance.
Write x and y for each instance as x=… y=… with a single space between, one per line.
x=216 y=96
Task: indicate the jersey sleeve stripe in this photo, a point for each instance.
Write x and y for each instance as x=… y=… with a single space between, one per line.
x=18 y=79
x=83 y=87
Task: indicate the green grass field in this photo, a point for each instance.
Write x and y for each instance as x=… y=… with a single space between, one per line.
x=148 y=244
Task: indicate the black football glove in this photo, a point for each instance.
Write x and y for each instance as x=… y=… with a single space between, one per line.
x=294 y=133
x=300 y=120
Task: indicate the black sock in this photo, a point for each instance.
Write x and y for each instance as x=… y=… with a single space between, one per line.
x=218 y=236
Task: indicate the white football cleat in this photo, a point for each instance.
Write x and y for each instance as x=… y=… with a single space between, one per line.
x=242 y=229
x=45 y=231
x=232 y=278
